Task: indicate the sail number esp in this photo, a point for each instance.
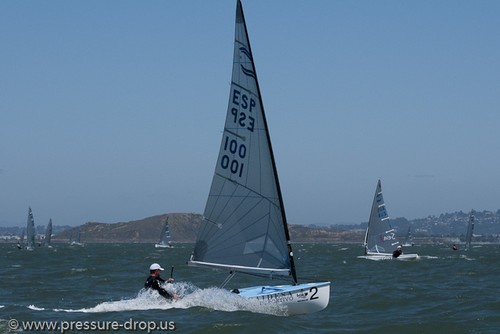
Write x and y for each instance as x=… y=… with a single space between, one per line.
x=241 y=110
x=242 y=104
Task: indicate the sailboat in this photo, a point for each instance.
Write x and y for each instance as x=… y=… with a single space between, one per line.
x=78 y=241
x=30 y=231
x=244 y=228
x=470 y=230
x=409 y=238
x=380 y=238
x=48 y=234
x=20 y=243
x=165 y=241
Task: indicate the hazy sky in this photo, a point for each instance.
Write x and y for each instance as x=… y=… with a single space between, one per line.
x=113 y=110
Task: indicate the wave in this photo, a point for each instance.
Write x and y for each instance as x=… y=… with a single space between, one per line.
x=190 y=296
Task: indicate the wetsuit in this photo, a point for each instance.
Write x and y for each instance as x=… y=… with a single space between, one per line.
x=397 y=253
x=155 y=283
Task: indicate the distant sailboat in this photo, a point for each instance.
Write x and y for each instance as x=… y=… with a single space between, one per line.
x=244 y=227
x=380 y=238
x=20 y=243
x=30 y=231
x=48 y=234
x=165 y=241
x=470 y=231
x=409 y=238
x=78 y=241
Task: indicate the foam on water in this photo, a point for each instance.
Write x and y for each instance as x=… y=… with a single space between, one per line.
x=191 y=296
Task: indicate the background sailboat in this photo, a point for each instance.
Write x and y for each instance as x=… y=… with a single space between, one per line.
x=20 y=243
x=470 y=231
x=244 y=229
x=165 y=241
x=380 y=237
x=409 y=238
x=78 y=240
x=30 y=231
x=48 y=234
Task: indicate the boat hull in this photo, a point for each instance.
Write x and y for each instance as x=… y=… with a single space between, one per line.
x=75 y=243
x=163 y=246
x=388 y=256
x=298 y=299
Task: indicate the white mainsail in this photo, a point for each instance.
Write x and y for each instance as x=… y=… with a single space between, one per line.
x=380 y=236
x=30 y=231
x=408 y=238
x=165 y=241
x=470 y=231
x=48 y=234
x=244 y=225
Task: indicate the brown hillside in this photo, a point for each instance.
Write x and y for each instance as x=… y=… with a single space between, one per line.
x=183 y=228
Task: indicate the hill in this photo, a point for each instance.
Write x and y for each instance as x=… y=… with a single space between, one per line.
x=183 y=228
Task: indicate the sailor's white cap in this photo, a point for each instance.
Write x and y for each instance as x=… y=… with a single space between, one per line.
x=155 y=266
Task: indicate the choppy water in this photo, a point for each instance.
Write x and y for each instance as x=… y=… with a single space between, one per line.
x=444 y=292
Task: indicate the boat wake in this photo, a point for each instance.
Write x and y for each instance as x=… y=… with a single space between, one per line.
x=215 y=299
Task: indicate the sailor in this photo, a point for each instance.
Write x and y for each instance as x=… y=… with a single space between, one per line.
x=154 y=281
x=397 y=252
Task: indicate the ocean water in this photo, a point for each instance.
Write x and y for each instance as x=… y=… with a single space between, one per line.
x=444 y=291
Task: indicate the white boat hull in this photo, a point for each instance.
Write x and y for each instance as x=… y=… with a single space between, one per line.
x=388 y=256
x=298 y=299
x=163 y=246
x=75 y=243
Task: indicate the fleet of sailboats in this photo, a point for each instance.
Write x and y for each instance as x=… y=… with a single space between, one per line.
x=380 y=238
x=244 y=228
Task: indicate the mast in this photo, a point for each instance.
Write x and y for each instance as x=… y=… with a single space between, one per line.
x=275 y=171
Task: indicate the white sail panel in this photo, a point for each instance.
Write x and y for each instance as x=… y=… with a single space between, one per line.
x=380 y=237
x=243 y=222
x=470 y=230
x=30 y=231
x=48 y=233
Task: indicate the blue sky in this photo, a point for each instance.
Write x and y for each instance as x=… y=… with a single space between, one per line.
x=113 y=110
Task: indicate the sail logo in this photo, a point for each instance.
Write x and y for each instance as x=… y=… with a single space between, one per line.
x=246 y=71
